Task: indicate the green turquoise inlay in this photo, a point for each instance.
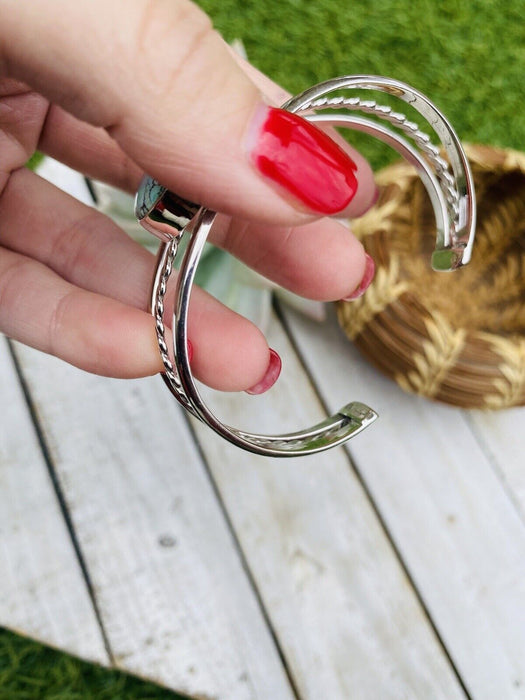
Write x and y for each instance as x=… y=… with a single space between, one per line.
x=148 y=194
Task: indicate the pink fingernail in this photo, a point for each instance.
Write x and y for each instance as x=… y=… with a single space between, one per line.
x=368 y=276
x=190 y=351
x=272 y=375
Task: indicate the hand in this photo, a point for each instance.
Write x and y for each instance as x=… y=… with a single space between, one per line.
x=114 y=88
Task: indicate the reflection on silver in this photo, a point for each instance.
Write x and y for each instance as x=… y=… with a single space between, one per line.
x=169 y=217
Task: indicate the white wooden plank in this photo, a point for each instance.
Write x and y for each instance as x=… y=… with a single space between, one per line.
x=174 y=598
x=66 y=179
x=42 y=591
x=502 y=435
x=446 y=508
x=346 y=617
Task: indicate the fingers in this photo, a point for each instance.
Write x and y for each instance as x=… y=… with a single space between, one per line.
x=162 y=83
x=90 y=331
x=320 y=260
x=74 y=285
x=154 y=82
x=21 y=116
x=73 y=246
x=107 y=337
x=88 y=149
x=92 y=151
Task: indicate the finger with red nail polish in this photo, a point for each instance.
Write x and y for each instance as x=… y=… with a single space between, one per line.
x=302 y=160
x=368 y=276
x=270 y=377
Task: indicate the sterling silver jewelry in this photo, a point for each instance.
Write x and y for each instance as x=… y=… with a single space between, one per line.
x=169 y=217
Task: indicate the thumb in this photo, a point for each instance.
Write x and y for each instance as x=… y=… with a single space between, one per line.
x=157 y=77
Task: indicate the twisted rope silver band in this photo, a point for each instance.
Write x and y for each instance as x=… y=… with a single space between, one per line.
x=456 y=221
x=400 y=121
x=170 y=217
x=166 y=258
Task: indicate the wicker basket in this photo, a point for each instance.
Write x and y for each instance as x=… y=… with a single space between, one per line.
x=455 y=337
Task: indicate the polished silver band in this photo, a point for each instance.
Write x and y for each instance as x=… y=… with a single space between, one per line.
x=170 y=217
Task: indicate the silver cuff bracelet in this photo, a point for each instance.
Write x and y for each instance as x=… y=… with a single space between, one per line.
x=169 y=217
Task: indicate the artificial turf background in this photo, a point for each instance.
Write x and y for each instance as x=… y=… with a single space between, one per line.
x=31 y=671
x=468 y=56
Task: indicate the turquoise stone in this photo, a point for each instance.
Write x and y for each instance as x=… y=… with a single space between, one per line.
x=148 y=194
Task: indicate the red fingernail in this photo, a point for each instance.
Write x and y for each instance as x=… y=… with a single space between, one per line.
x=272 y=375
x=304 y=161
x=189 y=347
x=368 y=276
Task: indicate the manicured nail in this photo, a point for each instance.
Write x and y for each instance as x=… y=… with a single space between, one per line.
x=272 y=375
x=368 y=276
x=303 y=160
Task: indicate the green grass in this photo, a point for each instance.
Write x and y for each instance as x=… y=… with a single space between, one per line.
x=35 y=159
x=30 y=671
x=467 y=56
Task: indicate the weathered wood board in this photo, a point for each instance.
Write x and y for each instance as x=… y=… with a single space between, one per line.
x=451 y=515
x=347 y=618
x=394 y=568
x=174 y=599
x=43 y=593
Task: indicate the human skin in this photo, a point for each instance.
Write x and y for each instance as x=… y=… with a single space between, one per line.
x=116 y=88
